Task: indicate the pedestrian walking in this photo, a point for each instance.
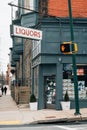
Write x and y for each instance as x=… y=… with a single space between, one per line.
x=5 y=90
x=2 y=90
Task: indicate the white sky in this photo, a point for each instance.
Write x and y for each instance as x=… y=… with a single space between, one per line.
x=5 y=39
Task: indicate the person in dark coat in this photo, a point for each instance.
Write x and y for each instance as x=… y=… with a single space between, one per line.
x=2 y=90
x=5 y=90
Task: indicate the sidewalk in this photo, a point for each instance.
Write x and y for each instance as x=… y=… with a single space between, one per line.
x=11 y=114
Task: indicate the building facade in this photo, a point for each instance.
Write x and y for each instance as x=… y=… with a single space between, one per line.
x=52 y=71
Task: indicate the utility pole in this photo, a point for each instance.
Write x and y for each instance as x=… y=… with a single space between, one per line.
x=74 y=62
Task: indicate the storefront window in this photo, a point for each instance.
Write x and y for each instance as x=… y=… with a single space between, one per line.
x=68 y=82
x=50 y=89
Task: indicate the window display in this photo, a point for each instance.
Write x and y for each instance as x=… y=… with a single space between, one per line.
x=68 y=82
x=50 y=90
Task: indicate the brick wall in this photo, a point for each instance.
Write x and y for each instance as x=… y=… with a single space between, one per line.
x=59 y=8
x=27 y=61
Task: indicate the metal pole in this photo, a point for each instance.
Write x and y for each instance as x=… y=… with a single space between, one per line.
x=74 y=62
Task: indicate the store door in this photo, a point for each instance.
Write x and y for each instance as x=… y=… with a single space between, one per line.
x=50 y=91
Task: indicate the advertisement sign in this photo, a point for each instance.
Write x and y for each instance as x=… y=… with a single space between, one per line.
x=26 y=32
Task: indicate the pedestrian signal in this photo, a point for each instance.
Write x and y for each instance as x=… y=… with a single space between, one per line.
x=68 y=47
x=65 y=48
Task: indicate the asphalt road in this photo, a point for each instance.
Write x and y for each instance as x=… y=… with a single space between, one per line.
x=64 y=126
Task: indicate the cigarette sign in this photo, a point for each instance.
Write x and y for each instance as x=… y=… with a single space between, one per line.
x=27 y=32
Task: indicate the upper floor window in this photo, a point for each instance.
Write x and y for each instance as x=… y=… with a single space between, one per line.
x=36 y=49
x=27 y=4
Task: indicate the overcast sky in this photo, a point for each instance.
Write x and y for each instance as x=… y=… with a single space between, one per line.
x=5 y=40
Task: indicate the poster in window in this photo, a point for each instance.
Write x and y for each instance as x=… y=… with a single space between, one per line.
x=81 y=85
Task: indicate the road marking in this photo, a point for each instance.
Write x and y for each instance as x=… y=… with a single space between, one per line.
x=65 y=128
x=10 y=122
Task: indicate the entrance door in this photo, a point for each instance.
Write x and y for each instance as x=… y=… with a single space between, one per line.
x=50 y=91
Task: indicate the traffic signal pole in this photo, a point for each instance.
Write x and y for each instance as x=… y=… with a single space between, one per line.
x=74 y=62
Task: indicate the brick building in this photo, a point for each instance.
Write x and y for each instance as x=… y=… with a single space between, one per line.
x=60 y=8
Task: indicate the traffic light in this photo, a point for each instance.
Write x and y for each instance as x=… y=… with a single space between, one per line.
x=68 y=48
x=65 y=48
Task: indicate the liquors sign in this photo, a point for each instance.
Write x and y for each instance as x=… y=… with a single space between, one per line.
x=26 y=32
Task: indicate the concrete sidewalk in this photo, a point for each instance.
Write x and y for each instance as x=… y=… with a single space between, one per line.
x=12 y=114
x=47 y=116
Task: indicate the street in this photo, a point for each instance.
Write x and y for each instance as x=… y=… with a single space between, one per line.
x=63 y=126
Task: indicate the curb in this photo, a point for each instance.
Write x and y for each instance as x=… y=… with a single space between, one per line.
x=64 y=120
